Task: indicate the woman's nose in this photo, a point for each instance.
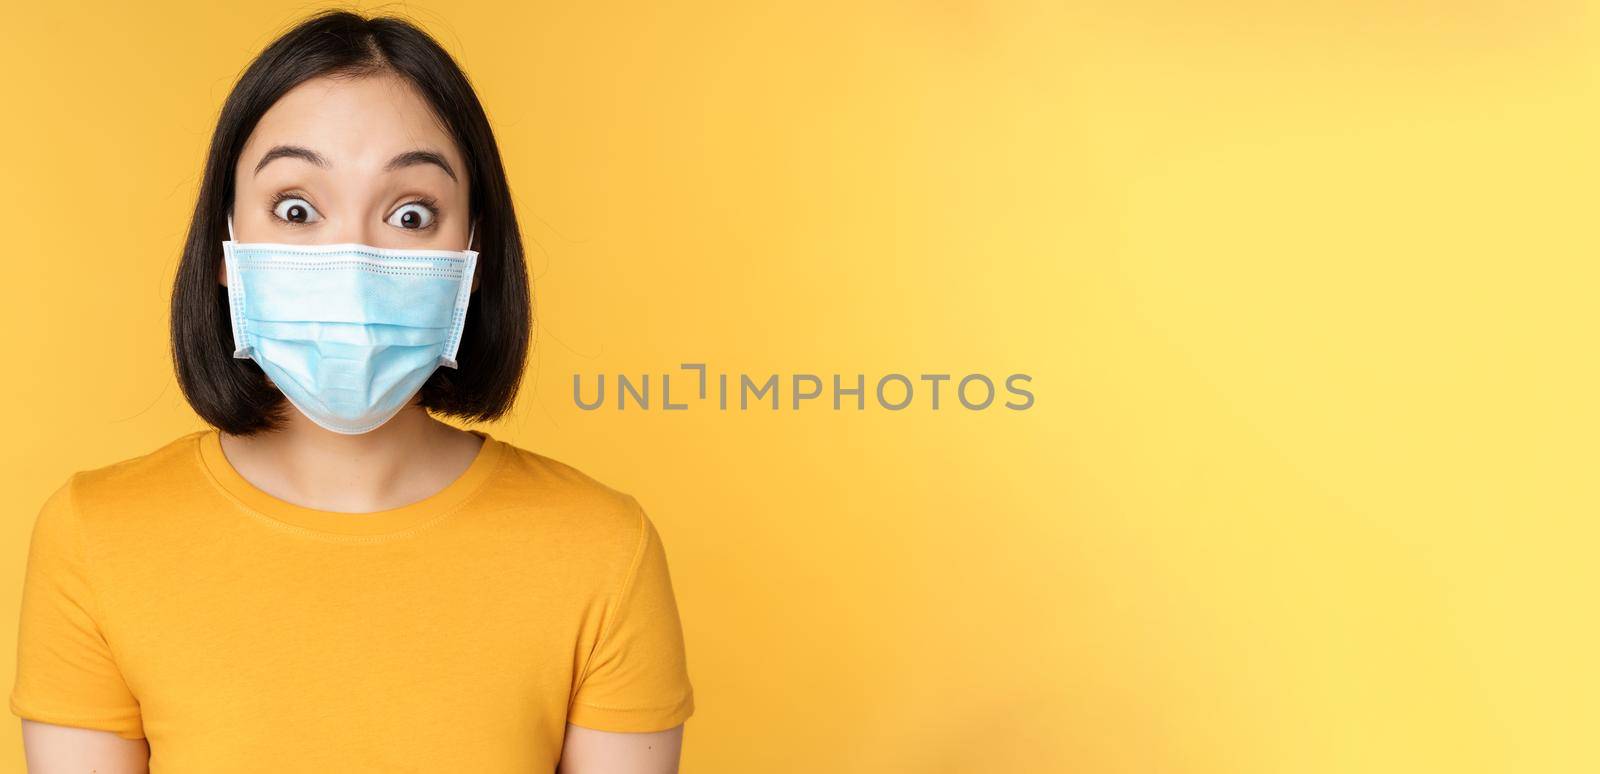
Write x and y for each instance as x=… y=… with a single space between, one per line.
x=355 y=231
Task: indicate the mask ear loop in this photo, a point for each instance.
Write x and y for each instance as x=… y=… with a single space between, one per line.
x=230 y=228
x=470 y=231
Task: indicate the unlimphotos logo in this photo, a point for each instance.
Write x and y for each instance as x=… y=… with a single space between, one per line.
x=894 y=392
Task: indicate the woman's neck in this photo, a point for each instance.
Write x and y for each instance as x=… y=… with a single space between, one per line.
x=407 y=459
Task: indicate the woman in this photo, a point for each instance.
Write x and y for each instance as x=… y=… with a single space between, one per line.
x=330 y=579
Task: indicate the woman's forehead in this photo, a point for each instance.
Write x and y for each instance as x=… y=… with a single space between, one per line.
x=358 y=124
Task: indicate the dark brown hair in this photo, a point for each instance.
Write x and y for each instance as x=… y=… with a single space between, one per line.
x=234 y=394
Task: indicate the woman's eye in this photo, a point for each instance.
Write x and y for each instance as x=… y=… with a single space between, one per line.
x=412 y=216
x=296 y=211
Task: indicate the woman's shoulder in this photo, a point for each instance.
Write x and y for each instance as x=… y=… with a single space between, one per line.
x=567 y=496
x=120 y=491
x=169 y=464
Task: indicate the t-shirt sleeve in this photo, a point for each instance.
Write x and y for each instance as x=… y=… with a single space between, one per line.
x=637 y=679
x=66 y=674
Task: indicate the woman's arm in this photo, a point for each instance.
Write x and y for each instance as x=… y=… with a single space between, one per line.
x=53 y=749
x=588 y=751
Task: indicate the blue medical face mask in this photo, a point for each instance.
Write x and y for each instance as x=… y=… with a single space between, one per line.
x=348 y=332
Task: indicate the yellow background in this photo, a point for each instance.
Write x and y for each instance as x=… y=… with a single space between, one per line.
x=1307 y=291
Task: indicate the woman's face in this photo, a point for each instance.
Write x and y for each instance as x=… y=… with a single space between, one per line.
x=351 y=160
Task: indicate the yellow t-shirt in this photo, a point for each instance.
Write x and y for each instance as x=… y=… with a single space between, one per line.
x=167 y=597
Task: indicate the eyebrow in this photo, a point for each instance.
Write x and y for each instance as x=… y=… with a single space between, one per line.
x=415 y=157
x=408 y=159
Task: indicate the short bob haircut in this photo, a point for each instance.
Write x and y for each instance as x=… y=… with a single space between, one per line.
x=234 y=394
